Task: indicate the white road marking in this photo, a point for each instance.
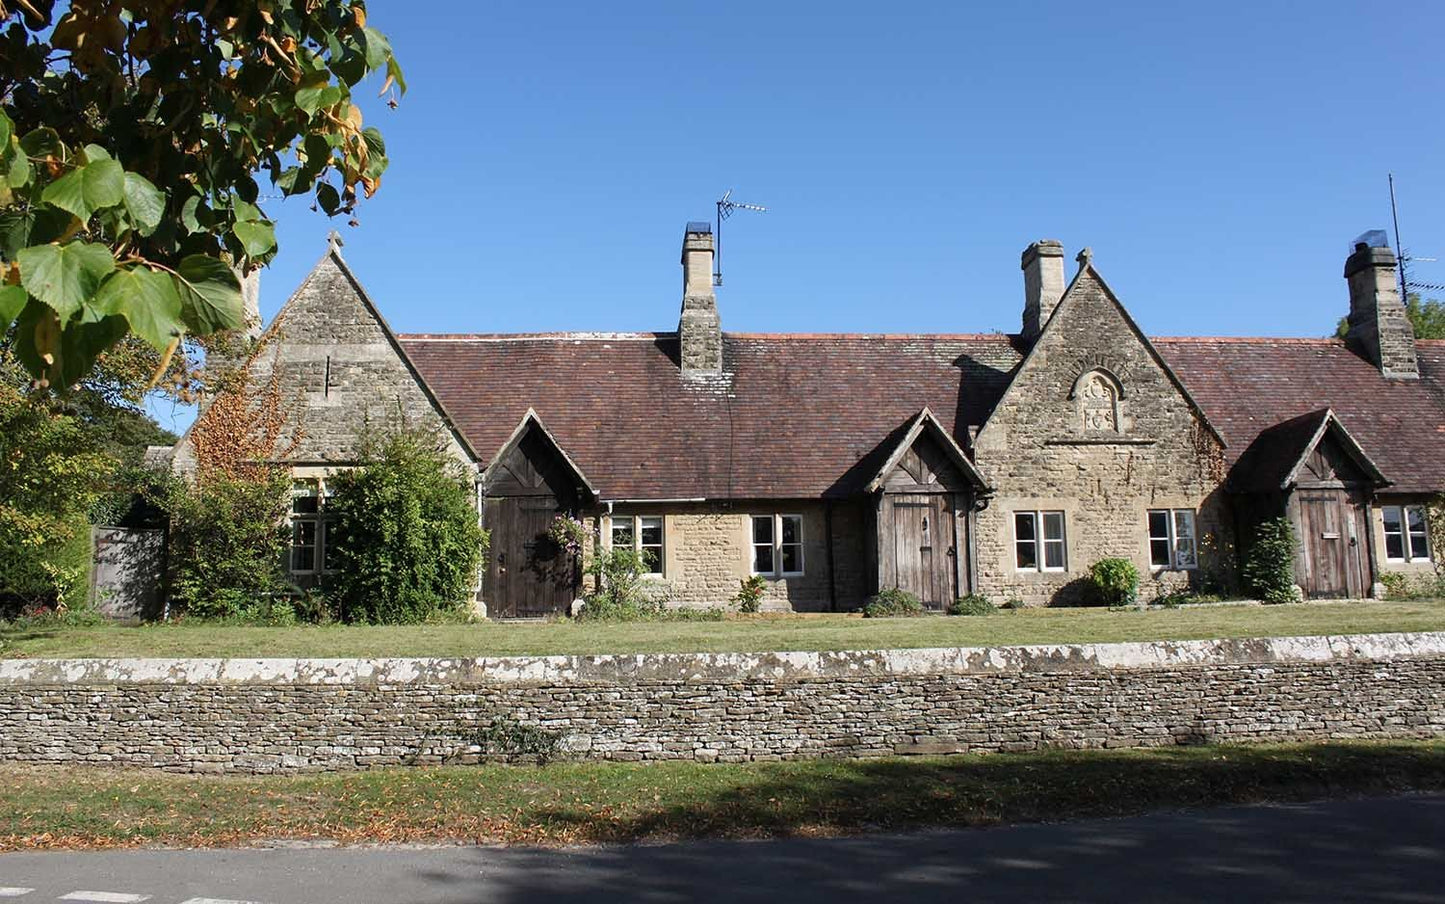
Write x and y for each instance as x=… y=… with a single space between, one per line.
x=215 y=901
x=105 y=897
x=13 y=892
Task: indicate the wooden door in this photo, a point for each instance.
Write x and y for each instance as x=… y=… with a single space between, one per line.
x=528 y=575
x=1333 y=527
x=924 y=550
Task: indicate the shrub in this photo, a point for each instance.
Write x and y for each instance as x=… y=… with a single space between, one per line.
x=511 y=741
x=893 y=603
x=1397 y=586
x=1116 y=581
x=971 y=604
x=749 y=598
x=407 y=540
x=227 y=543
x=1013 y=604
x=1269 y=567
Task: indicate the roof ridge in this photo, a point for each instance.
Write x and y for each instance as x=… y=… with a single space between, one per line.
x=1293 y=340
x=606 y=335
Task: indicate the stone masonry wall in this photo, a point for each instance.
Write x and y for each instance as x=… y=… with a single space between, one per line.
x=707 y=551
x=312 y=715
x=1152 y=452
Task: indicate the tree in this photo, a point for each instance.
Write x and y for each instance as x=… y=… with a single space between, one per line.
x=1427 y=318
x=406 y=538
x=131 y=136
x=52 y=474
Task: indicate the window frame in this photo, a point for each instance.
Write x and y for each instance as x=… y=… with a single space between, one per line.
x=1406 y=534
x=308 y=488
x=1171 y=518
x=1041 y=541
x=635 y=525
x=776 y=544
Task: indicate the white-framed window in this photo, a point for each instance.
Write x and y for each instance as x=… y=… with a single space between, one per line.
x=1040 y=541
x=1172 y=540
x=777 y=545
x=1407 y=537
x=642 y=533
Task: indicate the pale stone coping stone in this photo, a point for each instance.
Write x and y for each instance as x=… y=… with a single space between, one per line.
x=725 y=667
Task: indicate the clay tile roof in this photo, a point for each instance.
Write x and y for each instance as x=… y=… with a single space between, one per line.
x=1249 y=385
x=796 y=416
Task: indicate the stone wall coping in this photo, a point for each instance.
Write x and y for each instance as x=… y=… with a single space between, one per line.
x=725 y=667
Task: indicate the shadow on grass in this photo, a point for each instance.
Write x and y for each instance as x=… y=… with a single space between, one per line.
x=842 y=796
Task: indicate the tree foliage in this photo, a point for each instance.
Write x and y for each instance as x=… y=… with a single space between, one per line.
x=405 y=538
x=131 y=139
x=1427 y=318
x=51 y=469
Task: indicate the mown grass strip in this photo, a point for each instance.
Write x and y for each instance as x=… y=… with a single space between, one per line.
x=751 y=634
x=615 y=802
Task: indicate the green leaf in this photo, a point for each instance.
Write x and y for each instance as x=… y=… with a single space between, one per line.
x=64 y=276
x=19 y=175
x=257 y=237
x=43 y=142
x=145 y=203
x=310 y=95
x=378 y=48
x=64 y=353
x=147 y=299
x=210 y=295
x=7 y=128
x=393 y=72
x=86 y=189
x=12 y=302
x=329 y=198
x=246 y=212
x=191 y=213
x=94 y=152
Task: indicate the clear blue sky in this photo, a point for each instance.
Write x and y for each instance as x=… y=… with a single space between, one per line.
x=1218 y=158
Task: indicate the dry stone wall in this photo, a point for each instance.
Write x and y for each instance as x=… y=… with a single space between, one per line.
x=313 y=715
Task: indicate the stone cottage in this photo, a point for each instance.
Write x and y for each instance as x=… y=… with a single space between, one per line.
x=837 y=464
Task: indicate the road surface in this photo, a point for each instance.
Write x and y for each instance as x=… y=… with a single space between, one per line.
x=1390 y=849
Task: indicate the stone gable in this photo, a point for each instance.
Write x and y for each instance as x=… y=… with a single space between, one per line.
x=343 y=370
x=1094 y=425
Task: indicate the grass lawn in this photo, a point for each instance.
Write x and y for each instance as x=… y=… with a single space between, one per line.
x=609 y=802
x=744 y=634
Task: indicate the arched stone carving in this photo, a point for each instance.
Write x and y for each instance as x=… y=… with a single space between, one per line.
x=1097 y=394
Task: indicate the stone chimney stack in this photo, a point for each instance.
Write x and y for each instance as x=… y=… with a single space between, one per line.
x=699 y=330
x=1043 y=266
x=1378 y=327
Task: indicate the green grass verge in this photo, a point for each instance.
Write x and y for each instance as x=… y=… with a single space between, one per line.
x=610 y=802
x=745 y=634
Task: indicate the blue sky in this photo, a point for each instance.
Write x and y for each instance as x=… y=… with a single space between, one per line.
x=1218 y=158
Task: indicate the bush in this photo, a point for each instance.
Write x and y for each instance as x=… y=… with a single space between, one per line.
x=893 y=603
x=1269 y=568
x=1116 y=581
x=749 y=598
x=971 y=604
x=1013 y=604
x=1397 y=586
x=407 y=543
x=228 y=542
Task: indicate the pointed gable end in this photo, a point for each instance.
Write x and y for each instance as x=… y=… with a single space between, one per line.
x=344 y=370
x=1312 y=449
x=1092 y=376
x=926 y=454
x=531 y=462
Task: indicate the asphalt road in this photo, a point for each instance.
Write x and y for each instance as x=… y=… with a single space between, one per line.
x=1367 y=850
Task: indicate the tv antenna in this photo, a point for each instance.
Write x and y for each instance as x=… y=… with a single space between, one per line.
x=1405 y=283
x=725 y=208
